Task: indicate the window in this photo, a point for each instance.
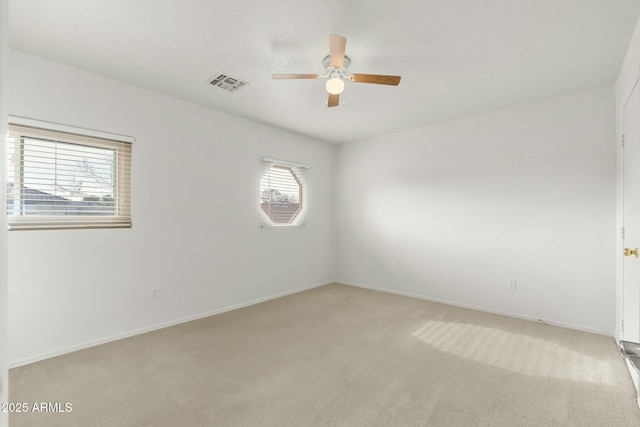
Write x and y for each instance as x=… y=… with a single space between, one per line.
x=283 y=197
x=70 y=178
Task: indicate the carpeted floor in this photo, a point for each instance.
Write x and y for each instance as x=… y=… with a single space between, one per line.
x=337 y=356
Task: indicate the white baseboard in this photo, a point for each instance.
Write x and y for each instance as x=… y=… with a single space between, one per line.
x=61 y=351
x=485 y=309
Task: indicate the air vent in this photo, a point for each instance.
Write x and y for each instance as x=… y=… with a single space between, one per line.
x=227 y=82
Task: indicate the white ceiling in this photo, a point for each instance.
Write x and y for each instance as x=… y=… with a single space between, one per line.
x=456 y=57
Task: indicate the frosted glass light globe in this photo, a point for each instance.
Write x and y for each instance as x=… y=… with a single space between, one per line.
x=335 y=86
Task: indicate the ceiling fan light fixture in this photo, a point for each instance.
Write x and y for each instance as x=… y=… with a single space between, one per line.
x=336 y=65
x=335 y=86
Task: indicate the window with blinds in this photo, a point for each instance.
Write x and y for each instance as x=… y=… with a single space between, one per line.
x=283 y=194
x=64 y=179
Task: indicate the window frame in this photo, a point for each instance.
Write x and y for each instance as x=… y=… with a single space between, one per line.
x=298 y=172
x=20 y=128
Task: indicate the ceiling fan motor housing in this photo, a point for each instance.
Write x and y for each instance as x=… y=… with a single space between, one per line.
x=336 y=72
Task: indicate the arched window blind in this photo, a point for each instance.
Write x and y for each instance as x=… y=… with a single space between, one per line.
x=283 y=193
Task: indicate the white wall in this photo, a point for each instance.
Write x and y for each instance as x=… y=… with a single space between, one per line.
x=196 y=230
x=453 y=212
x=4 y=48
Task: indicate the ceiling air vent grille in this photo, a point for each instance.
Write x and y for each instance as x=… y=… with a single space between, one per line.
x=227 y=82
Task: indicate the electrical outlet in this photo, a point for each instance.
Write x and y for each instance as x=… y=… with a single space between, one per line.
x=513 y=285
x=155 y=293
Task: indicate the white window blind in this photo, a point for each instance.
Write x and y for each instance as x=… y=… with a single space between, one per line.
x=283 y=193
x=62 y=179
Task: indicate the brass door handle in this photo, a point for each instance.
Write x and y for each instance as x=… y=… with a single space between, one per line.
x=629 y=252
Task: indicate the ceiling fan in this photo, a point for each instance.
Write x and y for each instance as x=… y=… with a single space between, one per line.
x=336 y=65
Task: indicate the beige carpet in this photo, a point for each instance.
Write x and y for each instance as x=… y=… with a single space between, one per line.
x=338 y=356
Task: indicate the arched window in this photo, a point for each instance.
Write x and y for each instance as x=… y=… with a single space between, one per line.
x=283 y=194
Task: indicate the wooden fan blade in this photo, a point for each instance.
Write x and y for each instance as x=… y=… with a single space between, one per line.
x=294 y=76
x=334 y=100
x=337 y=46
x=375 y=78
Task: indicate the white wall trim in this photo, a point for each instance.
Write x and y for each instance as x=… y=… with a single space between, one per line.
x=478 y=308
x=59 y=352
x=284 y=163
